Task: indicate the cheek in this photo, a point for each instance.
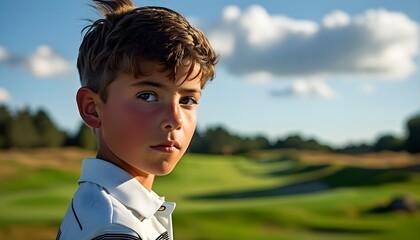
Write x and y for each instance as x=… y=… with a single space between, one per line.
x=128 y=125
x=190 y=122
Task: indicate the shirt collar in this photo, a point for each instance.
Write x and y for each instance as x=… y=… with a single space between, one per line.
x=121 y=185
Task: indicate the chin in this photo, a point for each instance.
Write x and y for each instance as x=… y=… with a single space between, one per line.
x=163 y=172
x=165 y=169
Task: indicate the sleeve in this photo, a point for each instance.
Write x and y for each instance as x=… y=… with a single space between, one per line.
x=114 y=232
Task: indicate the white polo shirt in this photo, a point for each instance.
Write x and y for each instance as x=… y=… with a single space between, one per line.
x=111 y=204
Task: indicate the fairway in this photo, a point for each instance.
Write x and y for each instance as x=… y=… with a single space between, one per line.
x=275 y=195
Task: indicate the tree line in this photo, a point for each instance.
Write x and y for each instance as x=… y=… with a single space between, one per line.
x=26 y=129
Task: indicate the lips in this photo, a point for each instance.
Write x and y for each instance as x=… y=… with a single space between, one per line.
x=169 y=146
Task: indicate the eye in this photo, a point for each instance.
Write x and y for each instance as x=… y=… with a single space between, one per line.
x=148 y=97
x=188 y=101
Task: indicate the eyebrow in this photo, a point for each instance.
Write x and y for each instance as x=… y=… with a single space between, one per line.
x=148 y=83
x=155 y=84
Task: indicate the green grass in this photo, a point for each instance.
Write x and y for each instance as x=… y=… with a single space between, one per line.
x=35 y=195
x=233 y=197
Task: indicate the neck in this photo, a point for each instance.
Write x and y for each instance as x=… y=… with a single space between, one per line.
x=144 y=178
x=147 y=182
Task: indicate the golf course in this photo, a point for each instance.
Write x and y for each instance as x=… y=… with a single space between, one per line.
x=272 y=194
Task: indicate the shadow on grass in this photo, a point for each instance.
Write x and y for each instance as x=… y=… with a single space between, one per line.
x=288 y=165
x=346 y=231
x=345 y=177
x=296 y=170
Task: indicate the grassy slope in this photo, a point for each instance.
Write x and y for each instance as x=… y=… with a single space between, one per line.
x=220 y=197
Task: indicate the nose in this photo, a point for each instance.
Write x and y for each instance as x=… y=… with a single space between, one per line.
x=173 y=118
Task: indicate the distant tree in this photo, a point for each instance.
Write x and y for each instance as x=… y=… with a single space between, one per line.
x=389 y=143
x=413 y=139
x=48 y=133
x=356 y=148
x=220 y=141
x=254 y=143
x=261 y=141
x=5 y=121
x=22 y=131
x=312 y=144
x=198 y=144
x=297 y=142
x=85 y=138
x=293 y=141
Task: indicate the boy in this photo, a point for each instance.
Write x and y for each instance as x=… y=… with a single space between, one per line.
x=142 y=71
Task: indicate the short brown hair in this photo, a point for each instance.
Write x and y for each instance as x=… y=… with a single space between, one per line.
x=128 y=36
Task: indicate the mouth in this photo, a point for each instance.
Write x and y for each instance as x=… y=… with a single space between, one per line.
x=168 y=147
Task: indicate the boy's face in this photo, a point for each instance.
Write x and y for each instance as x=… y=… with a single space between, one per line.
x=147 y=123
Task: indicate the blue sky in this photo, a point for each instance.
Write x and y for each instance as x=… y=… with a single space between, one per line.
x=340 y=71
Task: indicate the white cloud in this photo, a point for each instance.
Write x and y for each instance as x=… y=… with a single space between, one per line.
x=5 y=96
x=367 y=89
x=46 y=63
x=378 y=44
x=260 y=29
x=313 y=88
x=3 y=54
x=43 y=63
x=231 y=13
x=336 y=19
x=306 y=88
x=223 y=41
x=262 y=76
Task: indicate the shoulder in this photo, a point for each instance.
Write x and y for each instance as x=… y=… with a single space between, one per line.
x=96 y=208
x=92 y=206
x=95 y=214
x=89 y=210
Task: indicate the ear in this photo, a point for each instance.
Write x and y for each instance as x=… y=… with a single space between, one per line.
x=87 y=102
